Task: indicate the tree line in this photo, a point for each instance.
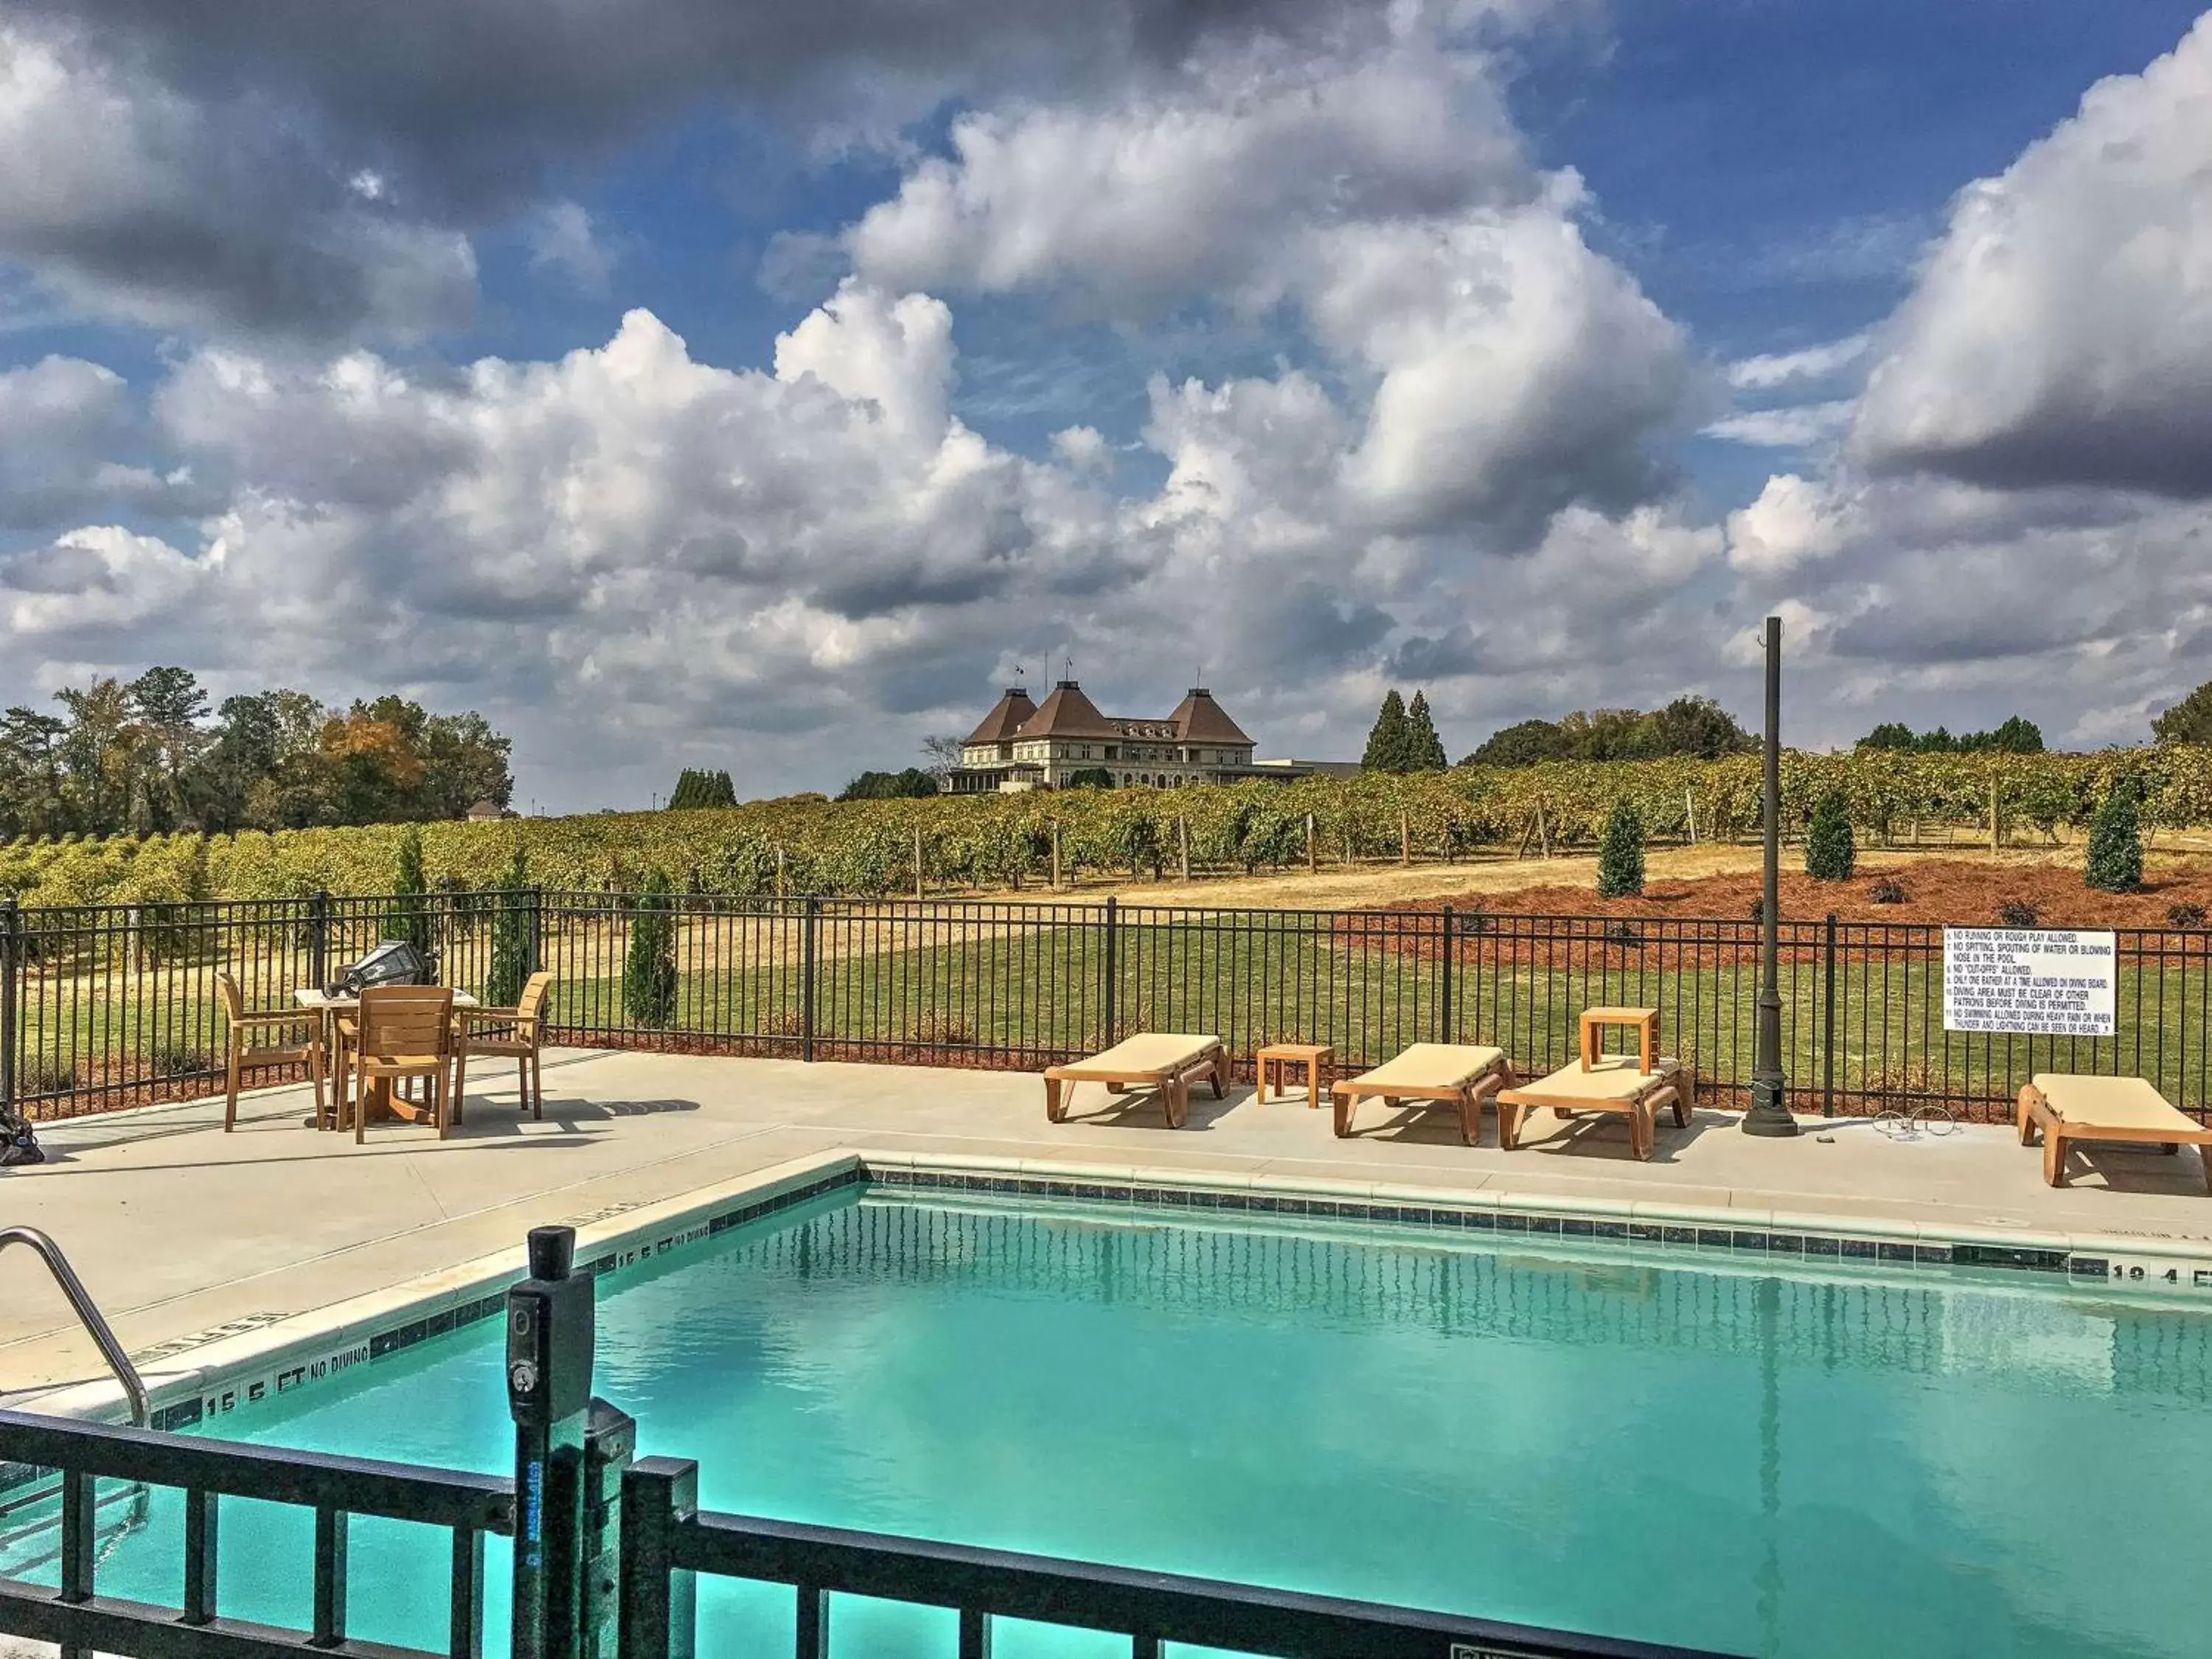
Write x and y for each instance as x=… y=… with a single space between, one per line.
x=2016 y=735
x=149 y=755
x=1689 y=726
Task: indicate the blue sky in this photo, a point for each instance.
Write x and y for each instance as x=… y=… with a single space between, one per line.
x=682 y=386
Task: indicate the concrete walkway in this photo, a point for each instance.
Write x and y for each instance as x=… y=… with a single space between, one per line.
x=180 y=1231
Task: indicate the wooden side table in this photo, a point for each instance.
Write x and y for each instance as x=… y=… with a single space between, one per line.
x=1595 y=1022
x=1311 y=1055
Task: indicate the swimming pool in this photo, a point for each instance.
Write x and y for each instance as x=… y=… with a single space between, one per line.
x=1675 y=1445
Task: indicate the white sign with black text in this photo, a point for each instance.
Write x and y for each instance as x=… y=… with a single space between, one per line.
x=2052 y=982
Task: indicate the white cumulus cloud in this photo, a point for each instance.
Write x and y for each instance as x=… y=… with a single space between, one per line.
x=2061 y=329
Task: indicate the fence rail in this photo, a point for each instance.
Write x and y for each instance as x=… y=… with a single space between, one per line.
x=667 y=1537
x=104 y=1006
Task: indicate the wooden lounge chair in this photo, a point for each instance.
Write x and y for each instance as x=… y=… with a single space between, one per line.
x=1458 y=1074
x=511 y=1033
x=254 y=1041
x=1610 y=1082
x=1169 y=1061
x=2065 y=1107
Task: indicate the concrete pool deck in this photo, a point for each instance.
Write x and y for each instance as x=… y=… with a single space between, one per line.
x=185 y=1234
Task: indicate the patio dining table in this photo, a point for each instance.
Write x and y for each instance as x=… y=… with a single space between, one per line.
x=383 y=1103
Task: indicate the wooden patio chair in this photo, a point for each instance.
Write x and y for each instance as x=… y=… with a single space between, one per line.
x=405 y=1031
x=514 y=1033
x=243 y=1054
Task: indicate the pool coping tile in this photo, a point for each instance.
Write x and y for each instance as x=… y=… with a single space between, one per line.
x=240 y=1369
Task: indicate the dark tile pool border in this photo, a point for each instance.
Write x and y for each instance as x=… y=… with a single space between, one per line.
x=1771 y=1244
x=253 y=1387
x=253 y=1382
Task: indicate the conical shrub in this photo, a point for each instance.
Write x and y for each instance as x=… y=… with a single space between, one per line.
x=1831 y=853
x=1620 y=855
x=2115 y=863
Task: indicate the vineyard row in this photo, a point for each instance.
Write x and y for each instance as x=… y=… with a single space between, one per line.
x=864 y=849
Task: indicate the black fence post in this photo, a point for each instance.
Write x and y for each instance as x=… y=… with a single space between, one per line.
x=1828 y=1019
x=551 y=1324
x=610 y=1448
x=1109 y=994
x=11 y=977
x=1444 y=955
x=537 y=926
x=318 y=937
x=809 y=916
x=659 y=1619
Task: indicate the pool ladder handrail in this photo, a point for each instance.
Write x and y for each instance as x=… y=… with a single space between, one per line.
x=88 y=1314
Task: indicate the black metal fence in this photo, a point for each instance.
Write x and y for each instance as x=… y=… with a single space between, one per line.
x=103 y=1007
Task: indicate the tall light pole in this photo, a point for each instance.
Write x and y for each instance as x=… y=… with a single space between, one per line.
x=1769 y=1115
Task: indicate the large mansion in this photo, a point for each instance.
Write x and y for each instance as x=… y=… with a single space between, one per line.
x=1026 y=745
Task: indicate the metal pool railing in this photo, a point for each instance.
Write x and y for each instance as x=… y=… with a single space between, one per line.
x=667 y=1538
x=74 y=1614
x=608 y=1546
x=103 y=1007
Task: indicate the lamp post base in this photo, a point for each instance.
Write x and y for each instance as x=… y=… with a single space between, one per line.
x=1768 y=1115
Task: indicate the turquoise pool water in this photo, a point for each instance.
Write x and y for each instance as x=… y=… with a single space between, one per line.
x=1678 y=1448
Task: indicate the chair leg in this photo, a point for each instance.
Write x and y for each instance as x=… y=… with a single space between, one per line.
x=460 y=1082
x=315 y=1076
x=230 y=1103
x=440 y=1086
x=536 y=1086
x=360 y=1098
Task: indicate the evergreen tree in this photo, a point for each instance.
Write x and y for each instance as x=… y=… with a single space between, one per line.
x=2115 y=863
x=914 y=783
x=411 y=912
x=1831 y=853
x=695 y=789
x=1386 y=742
x=2017 y=735
x=1424 y=749
x=513 y=935
x=1890 y=734
x=649 y=971
x=1621 y=854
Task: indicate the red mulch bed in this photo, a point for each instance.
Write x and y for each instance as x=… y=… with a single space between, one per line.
x=1959 y=892
x=1596 y=932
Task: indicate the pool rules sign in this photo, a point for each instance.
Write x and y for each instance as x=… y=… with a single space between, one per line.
x=2046 y=981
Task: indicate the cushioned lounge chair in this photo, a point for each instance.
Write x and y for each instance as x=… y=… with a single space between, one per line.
x=2065 y=1107
x=1168 y=1061
x=1458 y=1074
x=1612 y=1083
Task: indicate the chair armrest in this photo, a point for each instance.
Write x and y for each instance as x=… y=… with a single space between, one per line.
x=505 y=1016
x=265 y=1022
